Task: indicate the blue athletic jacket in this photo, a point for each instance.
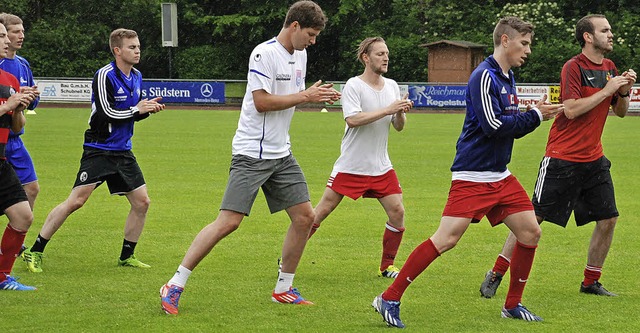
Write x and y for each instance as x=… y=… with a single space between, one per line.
x=113 y=112
x=492 y=122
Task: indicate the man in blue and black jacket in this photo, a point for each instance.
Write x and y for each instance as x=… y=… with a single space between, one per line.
x=116 y=105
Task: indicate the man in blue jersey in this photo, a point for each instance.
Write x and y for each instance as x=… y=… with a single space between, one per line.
x=13 y=199
x=261 y=152
x=481 y=183
x=16 y=152
x=116 y=105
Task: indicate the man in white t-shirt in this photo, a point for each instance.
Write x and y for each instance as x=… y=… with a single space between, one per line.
x=261 y=152
x=370 y=104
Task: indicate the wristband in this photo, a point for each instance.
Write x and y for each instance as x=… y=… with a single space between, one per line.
x=625 y=95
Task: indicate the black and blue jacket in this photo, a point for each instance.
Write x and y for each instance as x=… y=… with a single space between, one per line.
x=113 y=112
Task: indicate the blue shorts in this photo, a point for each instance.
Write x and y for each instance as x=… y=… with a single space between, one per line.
x=19 y=158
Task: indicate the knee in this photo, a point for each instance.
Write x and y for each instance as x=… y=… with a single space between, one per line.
x=227 y=226
x=444 y=243
x=396 y=216
x=305 y=220
x=536 y=234
x=74 y=204
x=531 y=236
x=28 y=220
x=142 y=205
x=22 y=221
x=32 y=189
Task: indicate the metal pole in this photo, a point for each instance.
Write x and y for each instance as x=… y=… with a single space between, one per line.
x=170 y=56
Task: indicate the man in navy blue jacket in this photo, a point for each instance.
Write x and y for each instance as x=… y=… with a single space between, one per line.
x=116 y=105
x=481 y=183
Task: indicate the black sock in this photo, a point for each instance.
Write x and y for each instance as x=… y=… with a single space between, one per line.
x=39 y=244
x=127 y=249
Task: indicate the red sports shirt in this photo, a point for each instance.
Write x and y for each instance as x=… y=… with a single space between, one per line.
x=578 y=139
x=9 y=85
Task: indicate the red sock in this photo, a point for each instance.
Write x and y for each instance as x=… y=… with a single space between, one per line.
x=502 y=265
x=591 y=275
x=520 y=267
x=12 y=240
x=390 y=244
x=314 y=228
x=418 y=261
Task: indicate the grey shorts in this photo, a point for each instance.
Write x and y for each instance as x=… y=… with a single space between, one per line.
x=281 y=180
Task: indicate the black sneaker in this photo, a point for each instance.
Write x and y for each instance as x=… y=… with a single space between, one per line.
x=490 y=284
x=595 y=288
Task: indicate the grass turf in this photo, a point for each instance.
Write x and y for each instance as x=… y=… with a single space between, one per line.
x=185 y=158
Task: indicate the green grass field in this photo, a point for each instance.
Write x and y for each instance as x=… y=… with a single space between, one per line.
x=185 y=158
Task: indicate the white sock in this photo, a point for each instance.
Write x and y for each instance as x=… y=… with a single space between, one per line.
x=180 y=278
x=285 y=281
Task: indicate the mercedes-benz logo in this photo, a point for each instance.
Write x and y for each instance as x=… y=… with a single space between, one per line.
x=206 y=90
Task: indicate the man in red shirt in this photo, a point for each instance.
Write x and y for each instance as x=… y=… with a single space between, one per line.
x=574 y=174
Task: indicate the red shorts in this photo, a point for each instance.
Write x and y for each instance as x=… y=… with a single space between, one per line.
x=356 y=186
x=495 y=200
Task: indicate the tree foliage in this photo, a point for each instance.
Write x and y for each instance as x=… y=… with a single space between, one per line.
x=70 y=38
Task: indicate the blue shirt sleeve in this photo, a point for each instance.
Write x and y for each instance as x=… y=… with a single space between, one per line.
x=497 y=118
x=26 y=67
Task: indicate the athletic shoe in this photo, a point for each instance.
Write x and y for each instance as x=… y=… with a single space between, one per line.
x=390 y=272
x=291 y=296
x=520 y=312
x=595 y=288
x=11 y=283
x=132 y=262
x=490 y=284
x=169 y=298
x=33 y=260
x=22 y=248
x=389 y=310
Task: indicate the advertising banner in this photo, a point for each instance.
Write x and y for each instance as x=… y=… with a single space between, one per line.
x=195 y=92
x=530 y=95
x=64 y=90
x=440 y=97
x=634 y=102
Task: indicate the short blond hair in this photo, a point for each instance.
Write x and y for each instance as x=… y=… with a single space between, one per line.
x=118 y=35
x=9 y=19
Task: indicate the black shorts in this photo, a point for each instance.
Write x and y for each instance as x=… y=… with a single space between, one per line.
x=118 y=168
x=11 y=191
x=586 y=188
